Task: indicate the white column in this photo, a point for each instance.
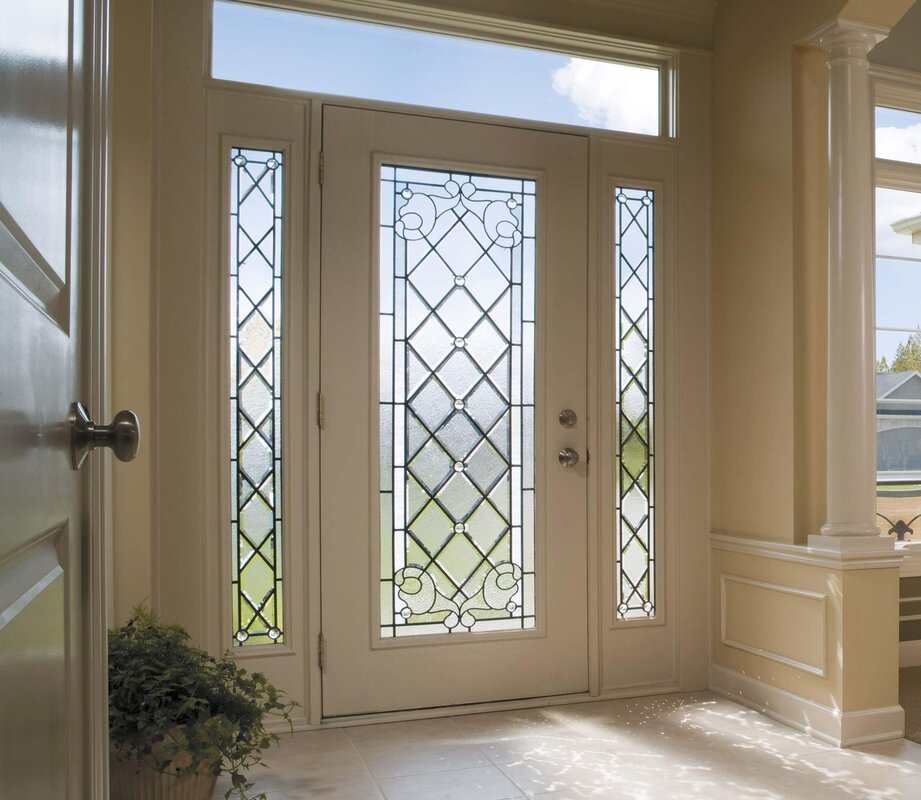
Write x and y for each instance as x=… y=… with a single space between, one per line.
x=851 y=402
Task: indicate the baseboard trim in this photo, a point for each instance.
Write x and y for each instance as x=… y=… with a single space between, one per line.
x=301 y=722
x=845 y=729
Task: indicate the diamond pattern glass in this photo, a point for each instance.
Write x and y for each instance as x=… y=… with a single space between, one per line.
x=456 y=406
x=635 y=545
x=255 y=401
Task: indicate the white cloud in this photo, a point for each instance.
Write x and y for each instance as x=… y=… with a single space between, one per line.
x=899 y=144
x=615 y=96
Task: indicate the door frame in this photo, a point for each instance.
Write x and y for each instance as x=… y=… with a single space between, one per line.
x=688 y=144
x=96 y=387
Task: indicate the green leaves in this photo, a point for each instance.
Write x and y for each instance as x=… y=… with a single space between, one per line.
x=180 y=710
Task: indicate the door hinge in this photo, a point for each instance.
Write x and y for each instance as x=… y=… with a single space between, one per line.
x=322 y=167
x=588 y=457
x=321 y=652
x=321 y=411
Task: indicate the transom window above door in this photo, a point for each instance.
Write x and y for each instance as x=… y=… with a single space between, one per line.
x=333 y=56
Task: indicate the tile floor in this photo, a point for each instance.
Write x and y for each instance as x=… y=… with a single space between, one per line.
x=668 y=747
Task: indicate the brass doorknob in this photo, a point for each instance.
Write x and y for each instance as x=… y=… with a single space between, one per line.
x=122 y=436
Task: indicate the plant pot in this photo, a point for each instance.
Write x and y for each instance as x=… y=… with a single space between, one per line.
x=134 y=780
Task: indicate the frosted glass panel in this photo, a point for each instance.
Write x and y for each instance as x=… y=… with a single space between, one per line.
x=457 y=424
x=634 y=271
x=255 y=402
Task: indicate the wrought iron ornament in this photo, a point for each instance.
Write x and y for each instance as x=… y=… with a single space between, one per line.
x=457 y=274
x=256 y=194
x=635 y=545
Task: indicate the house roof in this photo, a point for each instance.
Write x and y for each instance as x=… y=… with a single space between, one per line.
x=909 y=384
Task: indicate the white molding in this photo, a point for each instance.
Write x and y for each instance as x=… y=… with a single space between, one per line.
x=841 y=30
x=842 y=728
x=900 y=175
x=820 y=669
x=910 y=654
x=800 y=554
x=512 y=30
x=896 y=88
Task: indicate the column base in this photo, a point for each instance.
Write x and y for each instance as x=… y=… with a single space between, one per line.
x=851 y=545
x=846 y=529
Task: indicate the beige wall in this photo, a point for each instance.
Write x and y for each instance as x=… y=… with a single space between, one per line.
x=132 y=142
x=758 y=261
x=773 y=604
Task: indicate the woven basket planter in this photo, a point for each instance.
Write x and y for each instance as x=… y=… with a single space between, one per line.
x=132 y=780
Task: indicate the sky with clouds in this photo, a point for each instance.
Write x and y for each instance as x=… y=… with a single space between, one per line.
x=898 y=279
x=295 y=50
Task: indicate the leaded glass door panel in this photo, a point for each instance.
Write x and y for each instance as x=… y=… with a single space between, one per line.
x=453 y=333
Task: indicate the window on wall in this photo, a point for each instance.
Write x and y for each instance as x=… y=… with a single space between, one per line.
x=634 y=399
x=327 y=55
x=255 y=342
x=898 y=321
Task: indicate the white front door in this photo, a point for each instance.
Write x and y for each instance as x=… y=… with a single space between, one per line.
x=453 y=335
x=48 y=563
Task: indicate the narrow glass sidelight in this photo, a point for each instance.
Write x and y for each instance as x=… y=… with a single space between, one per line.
x=457 y=333
x=635 y=542
x=255 y=394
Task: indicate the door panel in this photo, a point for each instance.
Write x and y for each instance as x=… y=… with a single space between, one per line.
x=441 y=531
x=42 y=534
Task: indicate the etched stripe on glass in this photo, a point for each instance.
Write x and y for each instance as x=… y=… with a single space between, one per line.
x=255 y=388
x=457 y=277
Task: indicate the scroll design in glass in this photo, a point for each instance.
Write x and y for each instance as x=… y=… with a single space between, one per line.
x=255 y=394
x=457 y=276
x=635 y=543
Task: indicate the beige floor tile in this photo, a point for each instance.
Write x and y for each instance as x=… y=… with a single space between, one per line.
x=334 y=740
x=363 y=790
x=676 y=747
x=479 y=783
x=860 y=774
x=416 y=759
x=900 y=750
x=509 y=724
x=310 y=773
x=388 y=734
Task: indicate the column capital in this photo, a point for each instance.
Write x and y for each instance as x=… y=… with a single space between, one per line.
x=846 y=37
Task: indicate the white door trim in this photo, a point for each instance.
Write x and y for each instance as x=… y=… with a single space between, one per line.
x=96 y=383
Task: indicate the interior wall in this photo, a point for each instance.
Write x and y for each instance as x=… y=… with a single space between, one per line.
x=810 y=288
x=758 y=262
x=132 y=153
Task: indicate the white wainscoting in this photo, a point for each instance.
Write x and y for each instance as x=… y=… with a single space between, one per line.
x=748 y=622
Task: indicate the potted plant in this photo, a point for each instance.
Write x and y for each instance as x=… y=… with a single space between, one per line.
x=179 y=718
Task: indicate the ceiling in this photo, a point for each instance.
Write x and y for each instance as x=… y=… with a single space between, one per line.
x=903 y=47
